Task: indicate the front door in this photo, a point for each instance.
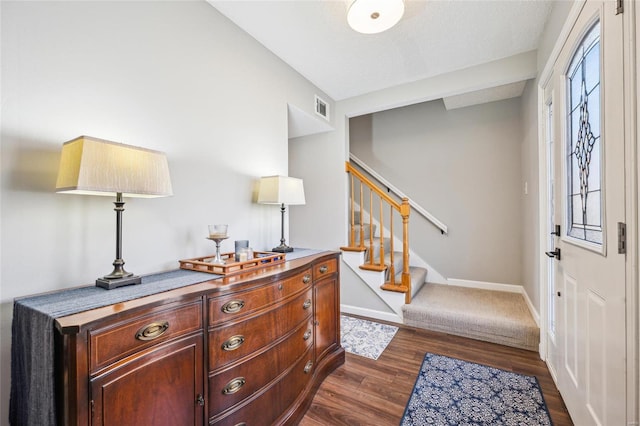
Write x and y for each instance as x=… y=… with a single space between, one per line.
x=588 y=350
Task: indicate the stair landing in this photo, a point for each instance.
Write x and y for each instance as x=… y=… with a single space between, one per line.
x=491 y=316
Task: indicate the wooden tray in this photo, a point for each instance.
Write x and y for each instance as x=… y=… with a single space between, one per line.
x=261 y=259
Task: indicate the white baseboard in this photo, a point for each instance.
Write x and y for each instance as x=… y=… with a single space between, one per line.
x=370 y=313
x=483 y=285
x=532 y=309
x=552 y=372
x=511 y=288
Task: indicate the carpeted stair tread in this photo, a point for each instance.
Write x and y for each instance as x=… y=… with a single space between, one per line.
x=376 y=249
x=418 y=276
x=493 y=316
x=366 y=228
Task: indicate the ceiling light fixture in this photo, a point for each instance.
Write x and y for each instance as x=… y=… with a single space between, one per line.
x=374 y=16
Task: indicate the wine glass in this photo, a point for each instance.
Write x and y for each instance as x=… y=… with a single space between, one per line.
x=218 y=233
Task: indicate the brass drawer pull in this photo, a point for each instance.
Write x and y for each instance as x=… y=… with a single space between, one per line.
x=306 y=279
x=307 y=304
x=307 y=368
x=241 y=424
x=307 y=334
x=324 y=269
x=233 y=386
x=233 y=306
x=233 y=343
x=152 y=331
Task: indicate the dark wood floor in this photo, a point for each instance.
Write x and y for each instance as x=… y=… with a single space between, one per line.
x=368 y=392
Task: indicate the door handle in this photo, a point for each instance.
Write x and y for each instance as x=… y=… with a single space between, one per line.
x=556 y=230
x=555 y=253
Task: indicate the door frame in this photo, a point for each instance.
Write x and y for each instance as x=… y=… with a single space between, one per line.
x=546 y=266
x=631 y=53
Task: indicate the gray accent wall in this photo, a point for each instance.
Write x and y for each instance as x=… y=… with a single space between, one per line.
x=463 y=166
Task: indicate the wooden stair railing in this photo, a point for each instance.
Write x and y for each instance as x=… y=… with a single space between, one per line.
x=403 y=208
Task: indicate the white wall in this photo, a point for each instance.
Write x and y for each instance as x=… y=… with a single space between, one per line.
x=318 y=223
x=172 y=76
x=463 y=166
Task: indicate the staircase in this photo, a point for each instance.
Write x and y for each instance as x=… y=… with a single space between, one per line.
x=371 y=251
x=501 y=317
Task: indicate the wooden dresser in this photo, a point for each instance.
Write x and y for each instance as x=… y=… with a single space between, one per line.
x=249 y=349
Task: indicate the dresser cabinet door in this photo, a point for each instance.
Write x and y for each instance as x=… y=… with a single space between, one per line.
x=161 y=386
x=327 y=316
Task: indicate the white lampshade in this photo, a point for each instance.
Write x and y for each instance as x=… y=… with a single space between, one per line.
x=374 y=16
x=99 y=167
x=281 y=190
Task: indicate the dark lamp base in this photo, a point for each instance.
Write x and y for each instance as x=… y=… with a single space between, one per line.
x=118 y=282
x=282 y=249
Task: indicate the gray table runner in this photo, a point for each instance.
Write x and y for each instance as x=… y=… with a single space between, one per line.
x=33 y=400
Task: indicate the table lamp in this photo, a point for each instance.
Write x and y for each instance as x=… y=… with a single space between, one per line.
x=94 y=166
x=281 y=190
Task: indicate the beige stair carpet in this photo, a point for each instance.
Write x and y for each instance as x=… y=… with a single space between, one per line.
x=492 y=316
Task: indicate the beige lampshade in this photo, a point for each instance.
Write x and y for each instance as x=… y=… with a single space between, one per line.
x=281 y=190
x=99 y=167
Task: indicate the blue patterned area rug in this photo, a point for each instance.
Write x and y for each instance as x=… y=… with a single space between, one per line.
x=450 y=391
x=365 y=338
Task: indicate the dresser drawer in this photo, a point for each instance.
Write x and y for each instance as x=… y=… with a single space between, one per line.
x=226 y=308
x=323 y=269
x=233 y=385
x=267 y=407
x=124 y=338
x=292 y=385
x=234 y=341
x=262 y=411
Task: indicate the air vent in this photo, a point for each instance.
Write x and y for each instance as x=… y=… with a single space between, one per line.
x=322 y=108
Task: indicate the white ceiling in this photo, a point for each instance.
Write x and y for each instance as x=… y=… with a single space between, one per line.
x=434 y=37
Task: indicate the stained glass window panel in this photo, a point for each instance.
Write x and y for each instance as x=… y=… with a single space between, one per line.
x=576 y=204
x=594 y=112
x=593 y=212
x=576 y=87
x=575 y=180
x=592 y=68
x=584 y=147
x=594 y=175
